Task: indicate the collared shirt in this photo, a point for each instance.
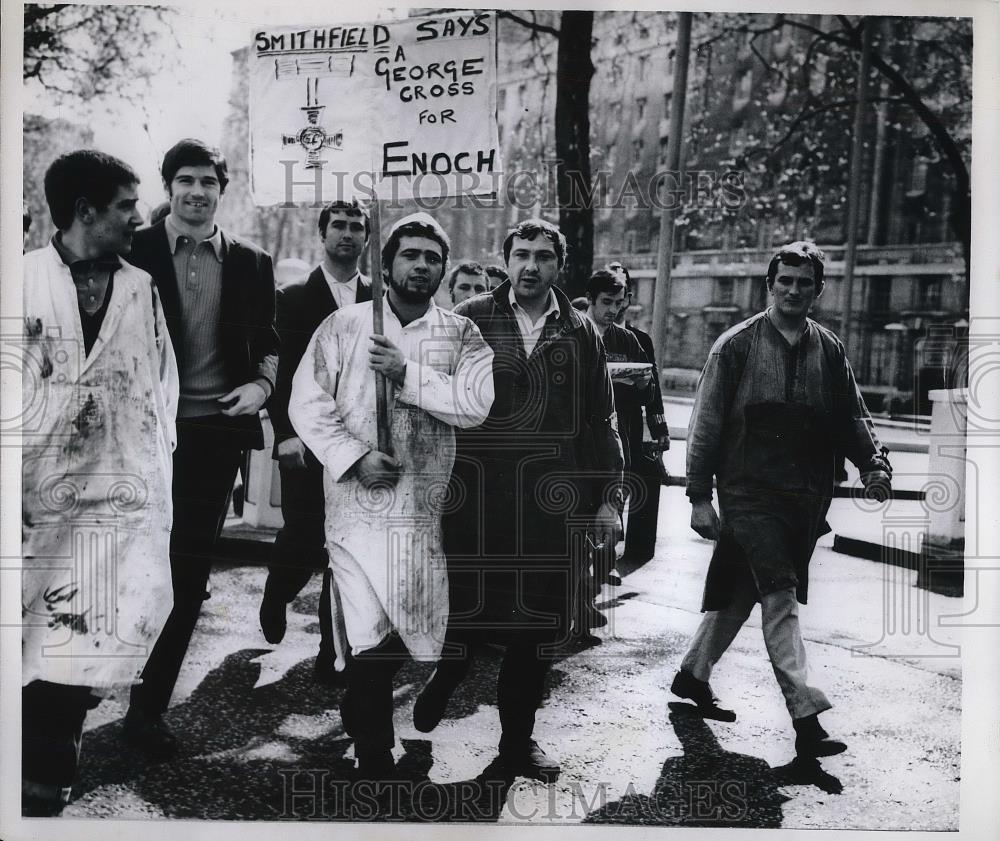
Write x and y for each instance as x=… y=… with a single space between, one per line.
x=89 y=274
x=344 y=291
x=531 y=331
x=198 y=269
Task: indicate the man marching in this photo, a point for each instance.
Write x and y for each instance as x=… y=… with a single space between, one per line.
x=776 y=401
x=96 y=510
x=300 y=545
x=383 y=512
x=531 y=482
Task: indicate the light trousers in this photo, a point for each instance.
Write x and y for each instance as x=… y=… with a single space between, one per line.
x=782 y=638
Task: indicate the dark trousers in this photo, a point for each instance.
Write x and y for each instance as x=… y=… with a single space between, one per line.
x=206 y=462
x=52 y=717
x=644 y=508
x=520 y=683
x=367 y=706
x=300 y=545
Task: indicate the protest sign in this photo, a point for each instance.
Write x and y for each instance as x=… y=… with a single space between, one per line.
x=413 y=101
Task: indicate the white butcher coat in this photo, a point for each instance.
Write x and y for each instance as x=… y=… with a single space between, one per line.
x=385 y=546
x=97 y=434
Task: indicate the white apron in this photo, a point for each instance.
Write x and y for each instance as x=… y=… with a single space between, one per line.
x=98 y=433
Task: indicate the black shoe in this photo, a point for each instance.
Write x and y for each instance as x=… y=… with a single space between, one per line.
x=614 y=579
x=591 y=617
x=528 y=760
x=325 y=673
x=39 y=807
x=272 y=615
x=431 y=703
x=584 y=637
x=375 y=766
x=686 y=685
x=147 y=732
x=811 y=740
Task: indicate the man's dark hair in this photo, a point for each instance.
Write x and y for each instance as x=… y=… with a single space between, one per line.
x=494 y=272
x=191 y=152
x=468 y=267
x=531 y=228
x=616 y=267
x=351 y=208
x=84 y=174
x=415 y=226
x=161 y=211
x=795 y=254
x=603 y=281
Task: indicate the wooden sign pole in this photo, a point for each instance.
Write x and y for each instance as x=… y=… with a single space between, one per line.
x=381 y=383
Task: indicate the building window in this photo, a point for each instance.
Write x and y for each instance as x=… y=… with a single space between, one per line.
x=640 y=108
x=664 y=142
x=930 y=293
x=725 y=291
x=630 y=238
x=918 y=178
x=879 y=358
x=667 y=99
x=643 y=67
x=609 y=156
x=637 y=150
x=741 y=95
x=879 y=294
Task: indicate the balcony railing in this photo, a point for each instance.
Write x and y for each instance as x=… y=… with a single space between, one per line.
x=937 y=258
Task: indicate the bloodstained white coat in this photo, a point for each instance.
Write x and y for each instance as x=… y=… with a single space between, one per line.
x=385 y=544
x=97 y=432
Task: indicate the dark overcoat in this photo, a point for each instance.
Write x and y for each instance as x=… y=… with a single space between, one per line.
x=527 y=483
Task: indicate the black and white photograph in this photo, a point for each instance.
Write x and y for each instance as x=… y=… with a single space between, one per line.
x=499 y=417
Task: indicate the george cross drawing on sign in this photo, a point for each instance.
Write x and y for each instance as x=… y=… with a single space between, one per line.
x=406 y=106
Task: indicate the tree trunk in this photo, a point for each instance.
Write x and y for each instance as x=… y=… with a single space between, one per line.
x=574 y=71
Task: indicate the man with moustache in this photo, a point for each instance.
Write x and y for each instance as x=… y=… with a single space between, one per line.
x=218 y=297
x=96 y=442
x=383 y=512
x=776 y=401
x=300 y=545
x=542 y=472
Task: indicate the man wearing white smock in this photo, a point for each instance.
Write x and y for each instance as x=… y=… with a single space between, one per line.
x=100 y=391
x=383 y=513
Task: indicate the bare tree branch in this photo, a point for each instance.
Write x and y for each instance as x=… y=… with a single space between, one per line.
x=533 y=25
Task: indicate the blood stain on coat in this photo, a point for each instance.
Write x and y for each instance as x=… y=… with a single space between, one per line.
x=34 y=329
x=88 y=416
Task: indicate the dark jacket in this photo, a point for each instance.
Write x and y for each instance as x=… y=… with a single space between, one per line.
x=300 y=308
x=246 y=326
x=768 y=421
x=655 y=420
x=621 y=345
x=527 y=483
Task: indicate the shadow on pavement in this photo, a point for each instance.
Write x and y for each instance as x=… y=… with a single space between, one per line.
x=708 y=786
x=278 y=752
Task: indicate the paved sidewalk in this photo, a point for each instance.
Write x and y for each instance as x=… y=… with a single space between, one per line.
x=251 y=717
